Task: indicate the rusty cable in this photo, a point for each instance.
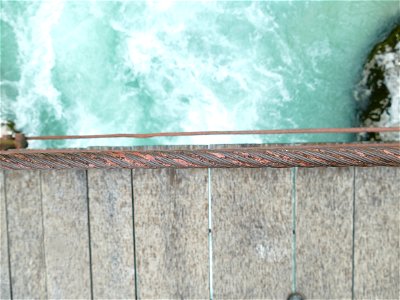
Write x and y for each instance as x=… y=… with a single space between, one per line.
x=277 y=156
x=230 y=132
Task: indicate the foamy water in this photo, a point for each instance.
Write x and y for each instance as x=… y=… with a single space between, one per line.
x=87 y=67
x=390 y=62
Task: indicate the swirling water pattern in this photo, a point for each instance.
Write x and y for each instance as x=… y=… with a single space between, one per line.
x=87 y=67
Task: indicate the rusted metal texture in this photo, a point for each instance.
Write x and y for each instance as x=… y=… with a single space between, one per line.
x=278 y=156
x=226 y=132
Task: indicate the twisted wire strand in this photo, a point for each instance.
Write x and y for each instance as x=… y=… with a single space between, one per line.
x=276 y=157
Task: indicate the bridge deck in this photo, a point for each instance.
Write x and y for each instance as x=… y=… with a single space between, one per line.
x=327 y=232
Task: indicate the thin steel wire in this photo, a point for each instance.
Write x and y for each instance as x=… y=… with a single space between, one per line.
x=229 y=132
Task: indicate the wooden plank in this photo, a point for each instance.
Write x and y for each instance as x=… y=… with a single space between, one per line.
x=66 y=234
x=377 y=231
x=27 y=254
x=324 y=232
x=171 y=233
x=252 y=230
x=5 y=292
x=111 y=232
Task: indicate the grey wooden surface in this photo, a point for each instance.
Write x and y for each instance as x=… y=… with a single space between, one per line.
x=5 y=292
x=25 y=231
x=71 y=234
x=65 y=218
x=324 y=232
x=252 y=221
x=171 y=233
x=111 y=232
x=377 y=231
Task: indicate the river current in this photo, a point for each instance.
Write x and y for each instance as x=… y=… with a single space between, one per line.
x=96 y=67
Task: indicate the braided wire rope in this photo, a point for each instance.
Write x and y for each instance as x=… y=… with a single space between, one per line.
x=282 y=156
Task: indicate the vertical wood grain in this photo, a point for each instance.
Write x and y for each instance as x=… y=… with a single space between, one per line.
x=5 y=291
x=377 y=233
x=66 y=240
x=27 y=253
x=324 y=232
x=171 y=230
x=111 y=231
x=252 y=220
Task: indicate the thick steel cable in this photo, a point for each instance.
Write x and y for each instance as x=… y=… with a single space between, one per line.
x=231 y=132
x=280 y=156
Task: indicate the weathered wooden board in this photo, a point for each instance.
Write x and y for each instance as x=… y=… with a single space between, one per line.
x=252 y=230
x=324 y=232
x=377 y=232
x=66 y=239
x=5 y=292
x=111 y=232
x=25 y=227
x=171 y=229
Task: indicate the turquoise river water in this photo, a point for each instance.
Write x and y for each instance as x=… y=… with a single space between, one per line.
x=96 y=67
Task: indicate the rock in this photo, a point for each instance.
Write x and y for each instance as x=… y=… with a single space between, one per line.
x=10 y=138
x=378 y=93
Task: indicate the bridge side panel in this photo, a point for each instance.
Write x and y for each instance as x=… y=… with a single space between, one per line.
x=252 y=225
x=324 y=232
x=171 y=233
x=27 y=254
x=66 y=234
x=111 y=232
x=377 y=231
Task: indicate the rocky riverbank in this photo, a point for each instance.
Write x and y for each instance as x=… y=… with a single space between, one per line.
x=378 y=93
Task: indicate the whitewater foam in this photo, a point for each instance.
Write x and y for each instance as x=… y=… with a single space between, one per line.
x=151 y=66
x=36 y=54
x=390 y=62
